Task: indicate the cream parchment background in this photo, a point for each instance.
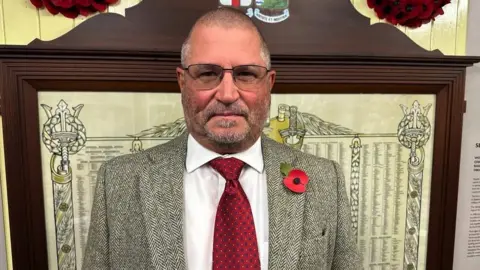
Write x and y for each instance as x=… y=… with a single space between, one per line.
x=109 y=117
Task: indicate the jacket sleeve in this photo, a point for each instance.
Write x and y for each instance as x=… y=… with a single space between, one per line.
x=346 y=255
x=96 y=255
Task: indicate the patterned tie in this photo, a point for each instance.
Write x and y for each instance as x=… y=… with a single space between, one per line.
x=235 y=241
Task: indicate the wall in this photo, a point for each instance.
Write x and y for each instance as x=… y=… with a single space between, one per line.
x=448 y=33
x=20 y=23
x=467 y=241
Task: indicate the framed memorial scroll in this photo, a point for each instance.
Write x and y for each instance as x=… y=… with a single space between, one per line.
x=384 y=143
x=389 y=112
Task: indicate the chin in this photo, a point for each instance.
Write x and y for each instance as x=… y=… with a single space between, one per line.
x=227 y=129
x=227 y=135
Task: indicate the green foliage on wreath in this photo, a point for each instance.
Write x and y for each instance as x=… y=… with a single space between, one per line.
x=275 y=4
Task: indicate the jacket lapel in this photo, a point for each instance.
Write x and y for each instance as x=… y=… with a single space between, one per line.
x=162 y=196
x=285 y=209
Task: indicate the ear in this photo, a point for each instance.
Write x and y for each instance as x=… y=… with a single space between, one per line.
x=271 y=79
x=181 y=78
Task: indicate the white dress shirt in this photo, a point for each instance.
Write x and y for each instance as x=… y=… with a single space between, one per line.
x=203 y=187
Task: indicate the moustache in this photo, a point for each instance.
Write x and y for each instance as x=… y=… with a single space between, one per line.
x=224 y=110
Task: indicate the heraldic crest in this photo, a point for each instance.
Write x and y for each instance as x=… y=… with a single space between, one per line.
x=269 y=11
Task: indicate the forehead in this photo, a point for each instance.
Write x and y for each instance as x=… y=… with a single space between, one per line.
x=225 y=46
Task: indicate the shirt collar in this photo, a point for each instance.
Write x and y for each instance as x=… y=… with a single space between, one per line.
x=197 y=155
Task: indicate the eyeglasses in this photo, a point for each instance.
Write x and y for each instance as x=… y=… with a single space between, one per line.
x=209 y=76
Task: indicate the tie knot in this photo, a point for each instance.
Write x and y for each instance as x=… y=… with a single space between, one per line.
x=229 y=168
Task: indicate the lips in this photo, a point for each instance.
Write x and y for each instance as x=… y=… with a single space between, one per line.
x=227 y=114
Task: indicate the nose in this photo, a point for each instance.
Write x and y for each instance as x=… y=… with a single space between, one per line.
x=227 y=91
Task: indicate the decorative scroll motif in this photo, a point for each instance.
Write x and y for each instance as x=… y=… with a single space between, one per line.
x=269 y=11
x=64 y=135
x=137 y=146
x=355 y=182
x=414 y=131
x=295 y=133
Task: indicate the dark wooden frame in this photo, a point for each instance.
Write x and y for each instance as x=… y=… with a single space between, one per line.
x=23 y=75
x=324 y=47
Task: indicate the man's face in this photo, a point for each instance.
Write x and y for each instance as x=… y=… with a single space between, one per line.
x=225 y=114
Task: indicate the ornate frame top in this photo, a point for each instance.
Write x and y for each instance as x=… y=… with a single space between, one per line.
x=308 y=27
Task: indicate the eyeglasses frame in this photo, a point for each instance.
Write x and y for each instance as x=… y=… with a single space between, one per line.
x=224 y=70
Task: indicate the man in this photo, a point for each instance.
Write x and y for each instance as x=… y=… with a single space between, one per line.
x=214 y=198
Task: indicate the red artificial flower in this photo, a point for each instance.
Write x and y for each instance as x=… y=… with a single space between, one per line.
x=400 y=10
x=413 y=23
x=428 y=7
x=438 y=7
x=72 y=8
x=413 y=10
x=440 y=3
x=381 y=7
x=418 y=23
x=296 y=181
x=37 y=3
x=410 y=13
x=374 y=3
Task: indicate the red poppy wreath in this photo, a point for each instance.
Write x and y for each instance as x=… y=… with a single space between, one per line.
x=409 y=13
x=73 y=8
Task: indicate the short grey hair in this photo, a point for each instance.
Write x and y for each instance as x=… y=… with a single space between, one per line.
x=229 y=18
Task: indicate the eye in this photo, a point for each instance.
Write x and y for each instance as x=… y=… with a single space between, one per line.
x=207 y=74
x=246 y=77
x=246 y=74
x=205 y=71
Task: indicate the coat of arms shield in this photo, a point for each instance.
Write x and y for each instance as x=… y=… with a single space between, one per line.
x=269 y=11
x=236 y=3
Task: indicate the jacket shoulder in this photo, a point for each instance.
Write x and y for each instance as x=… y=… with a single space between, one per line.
x=146 y=156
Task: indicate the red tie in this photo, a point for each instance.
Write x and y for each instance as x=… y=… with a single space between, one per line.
x=235 y=241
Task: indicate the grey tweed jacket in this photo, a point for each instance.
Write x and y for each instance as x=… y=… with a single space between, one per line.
x=137 y=214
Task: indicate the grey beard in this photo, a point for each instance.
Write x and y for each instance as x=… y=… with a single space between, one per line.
x=228 y=138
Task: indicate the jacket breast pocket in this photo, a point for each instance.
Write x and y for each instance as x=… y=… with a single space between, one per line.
x=314 y=252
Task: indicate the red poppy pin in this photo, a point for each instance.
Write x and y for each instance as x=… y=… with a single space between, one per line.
x=294 y=179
